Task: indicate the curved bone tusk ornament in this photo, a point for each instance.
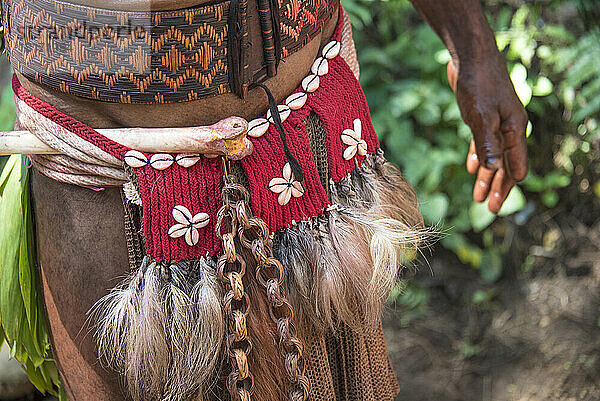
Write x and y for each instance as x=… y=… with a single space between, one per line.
x=227 y=138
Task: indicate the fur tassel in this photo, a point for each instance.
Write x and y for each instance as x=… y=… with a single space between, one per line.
x=343 y=264
x=163 y=330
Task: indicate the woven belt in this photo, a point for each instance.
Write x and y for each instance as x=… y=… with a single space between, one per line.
x=157 y=56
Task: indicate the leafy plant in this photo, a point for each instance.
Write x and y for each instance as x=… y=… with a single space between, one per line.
x=22 y=319
x=555 y=67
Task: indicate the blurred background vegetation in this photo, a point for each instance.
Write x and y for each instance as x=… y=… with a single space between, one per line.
x=553 y=58
x=479 y=319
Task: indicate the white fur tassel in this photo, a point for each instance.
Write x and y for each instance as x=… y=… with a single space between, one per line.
x=163 y=330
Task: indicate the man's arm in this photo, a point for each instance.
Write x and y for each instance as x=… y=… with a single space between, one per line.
x=485 y=95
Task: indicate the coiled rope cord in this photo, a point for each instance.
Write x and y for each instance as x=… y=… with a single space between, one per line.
x=82 y=163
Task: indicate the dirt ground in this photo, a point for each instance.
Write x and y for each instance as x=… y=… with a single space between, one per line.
x=537 y=339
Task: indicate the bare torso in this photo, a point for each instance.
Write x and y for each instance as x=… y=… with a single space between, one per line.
x=81 y=242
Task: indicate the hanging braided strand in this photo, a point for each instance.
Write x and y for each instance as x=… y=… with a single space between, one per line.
x=244 y=47
x=231 y=269
x=254 y=235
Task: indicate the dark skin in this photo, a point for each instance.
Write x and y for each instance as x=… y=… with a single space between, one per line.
x=485 y=96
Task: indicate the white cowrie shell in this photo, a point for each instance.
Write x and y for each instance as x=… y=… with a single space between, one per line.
x=362 y=148
x=296 y=100
x=320 y=67
x=331 y=49
x=192 y=237
x=187 y=160
x=161 y=161
x=200 y=220
x=310 y=83
x=257 y=127
x=135 y=159
x=284 y=113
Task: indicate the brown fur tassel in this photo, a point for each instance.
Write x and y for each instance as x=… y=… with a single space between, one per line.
x=342 y=265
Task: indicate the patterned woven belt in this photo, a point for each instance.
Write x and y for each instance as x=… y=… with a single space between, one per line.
x=157 y=56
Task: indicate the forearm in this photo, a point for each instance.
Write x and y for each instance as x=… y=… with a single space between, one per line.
x=461 y=25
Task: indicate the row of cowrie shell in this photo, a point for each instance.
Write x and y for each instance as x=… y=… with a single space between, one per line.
x=160 y=161
x=258 y=126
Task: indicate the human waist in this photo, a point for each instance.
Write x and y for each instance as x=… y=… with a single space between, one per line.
x=158 y=55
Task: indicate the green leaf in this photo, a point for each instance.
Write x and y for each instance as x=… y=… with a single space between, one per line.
x=434 y=207
x=518 y=75
x=480 y=216
x=6 y=171
x=11 y=302
x=25 y=277
x=543 y=87
x=515 y=201
x=480 y=296
x=550 y=198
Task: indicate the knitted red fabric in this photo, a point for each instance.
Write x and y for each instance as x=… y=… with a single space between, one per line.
x=338 y=101
x=197 y=188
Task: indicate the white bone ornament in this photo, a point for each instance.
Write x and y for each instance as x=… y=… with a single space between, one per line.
x=228 y=138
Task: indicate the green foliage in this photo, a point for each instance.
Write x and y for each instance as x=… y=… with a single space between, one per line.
x=22 y=318
x=556 y=73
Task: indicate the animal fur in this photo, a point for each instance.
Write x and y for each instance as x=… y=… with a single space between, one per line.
x=342 y=264
x=163 y=330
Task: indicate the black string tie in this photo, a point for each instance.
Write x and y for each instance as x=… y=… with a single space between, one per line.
x=296 y=168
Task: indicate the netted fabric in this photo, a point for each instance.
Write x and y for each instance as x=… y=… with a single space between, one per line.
x=350 y=366
x=316 y=135
x=132 y=213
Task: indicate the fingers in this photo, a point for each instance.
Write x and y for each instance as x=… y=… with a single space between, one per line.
x=501 y=186
x=472 y=160
x=483 y=184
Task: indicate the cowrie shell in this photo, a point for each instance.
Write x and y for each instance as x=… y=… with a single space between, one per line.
x=362 y=147
x=331 y=49
x=135 y=159
x=187 y=160
x=257 y=127
x=296 y=100
x=161 y=161
x=284 y=113
x=310 y=83
x=320 y=67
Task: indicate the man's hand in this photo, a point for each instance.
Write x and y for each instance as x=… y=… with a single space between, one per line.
x=490 y=106
x=485 y=96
